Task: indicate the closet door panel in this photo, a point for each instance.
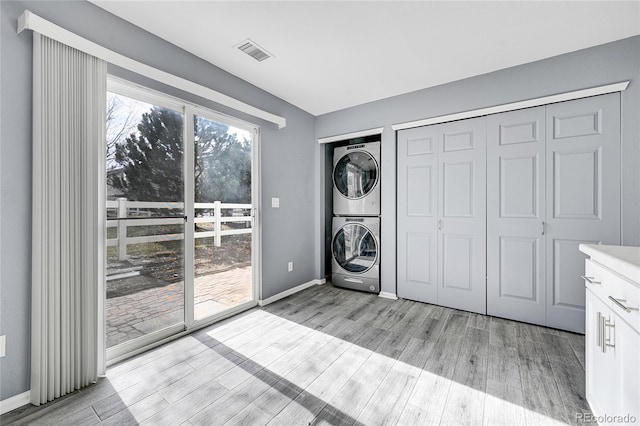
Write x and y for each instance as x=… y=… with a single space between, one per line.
x=417 y=210
x=462 y=215
x=582 y=197
x=515 y=215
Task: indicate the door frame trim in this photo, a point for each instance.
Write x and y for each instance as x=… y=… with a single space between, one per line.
x=545 y=100
x=352 y=135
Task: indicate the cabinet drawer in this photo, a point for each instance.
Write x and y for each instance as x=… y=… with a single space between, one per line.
x=613 y=286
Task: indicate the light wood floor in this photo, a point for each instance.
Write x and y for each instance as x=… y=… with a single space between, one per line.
x=334 y=356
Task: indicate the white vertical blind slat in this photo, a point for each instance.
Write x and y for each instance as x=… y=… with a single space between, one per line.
x=69 y=100
x=62 y=120
x=37 y=258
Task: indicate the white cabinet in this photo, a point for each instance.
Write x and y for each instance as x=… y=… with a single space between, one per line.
x=599 y=363
x=627 y=373
x=612 y=343
x=442 y=214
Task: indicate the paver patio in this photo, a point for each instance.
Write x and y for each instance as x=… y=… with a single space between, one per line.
x=136 y=314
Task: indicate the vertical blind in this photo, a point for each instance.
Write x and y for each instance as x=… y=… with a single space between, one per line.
x=69 y=98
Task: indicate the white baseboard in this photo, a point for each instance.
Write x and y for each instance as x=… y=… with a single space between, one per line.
x=291 y=291
x=388 y=295
x=14 y=402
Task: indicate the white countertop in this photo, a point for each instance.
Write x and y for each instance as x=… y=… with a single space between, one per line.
x=625 y=260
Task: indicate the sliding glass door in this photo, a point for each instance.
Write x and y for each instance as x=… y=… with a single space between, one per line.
x=145 y=220
x=223 y=217
x=180 y=218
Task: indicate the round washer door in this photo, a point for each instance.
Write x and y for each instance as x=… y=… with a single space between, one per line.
x=355 y=174
x=355 y=248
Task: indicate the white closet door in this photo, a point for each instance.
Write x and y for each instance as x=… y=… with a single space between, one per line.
x=515 y=215
x=417 y=209
x=582 y=197
x=462 y=215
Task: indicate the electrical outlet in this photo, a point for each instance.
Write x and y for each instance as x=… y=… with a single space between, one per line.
x=3 y=344
x=290 y=266
x=275 y=202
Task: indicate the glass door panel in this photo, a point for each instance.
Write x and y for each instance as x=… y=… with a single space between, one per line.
x=355 y=174
x=145 y=222
x=223 y=275
x=355 y=248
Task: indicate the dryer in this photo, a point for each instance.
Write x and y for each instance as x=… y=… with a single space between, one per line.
x=355 y=253
x=356 y=180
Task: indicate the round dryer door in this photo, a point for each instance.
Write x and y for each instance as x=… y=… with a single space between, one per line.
x=355 y=174
x=355 y=248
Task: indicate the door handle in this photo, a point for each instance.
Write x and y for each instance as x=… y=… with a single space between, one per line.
x=440 y=225
x=542 y=229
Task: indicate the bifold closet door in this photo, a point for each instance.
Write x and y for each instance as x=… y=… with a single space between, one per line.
x=417 y=229
x=442 y=214
x=516 y=215
x=553 y=183
x=582 y=197
x=462 y=215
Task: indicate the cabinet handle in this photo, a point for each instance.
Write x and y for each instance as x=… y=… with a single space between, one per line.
x=599 y=327
x=621 y=306
x=590 y=280
x=440 y=225
x=606 y=341
x=542 y=229
x=603 y=345
x=602 y=340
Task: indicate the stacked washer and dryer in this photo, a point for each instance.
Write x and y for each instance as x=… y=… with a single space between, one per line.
x=355 y=245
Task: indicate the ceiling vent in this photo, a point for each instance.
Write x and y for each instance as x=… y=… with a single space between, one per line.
x=252 y=49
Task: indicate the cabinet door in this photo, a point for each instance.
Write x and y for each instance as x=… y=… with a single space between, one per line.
x=627 y=375
x=417 y=210
x=582 y=197
x=515 y=215
x=600 y=368
x=462 y=215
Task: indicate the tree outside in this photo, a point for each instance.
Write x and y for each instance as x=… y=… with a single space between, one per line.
x=223 y=163
x=150 y=161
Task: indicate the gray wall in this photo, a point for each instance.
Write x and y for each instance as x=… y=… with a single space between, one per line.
x=292 y=162
x=600 y=65
x=289 y=233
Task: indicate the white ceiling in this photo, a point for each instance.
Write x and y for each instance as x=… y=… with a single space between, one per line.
x=331 y=55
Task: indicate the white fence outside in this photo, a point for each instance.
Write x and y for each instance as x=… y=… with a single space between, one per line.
x=122 y=206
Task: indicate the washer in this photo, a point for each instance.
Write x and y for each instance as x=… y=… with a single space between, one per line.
x=356 y=180
x=355 y=253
